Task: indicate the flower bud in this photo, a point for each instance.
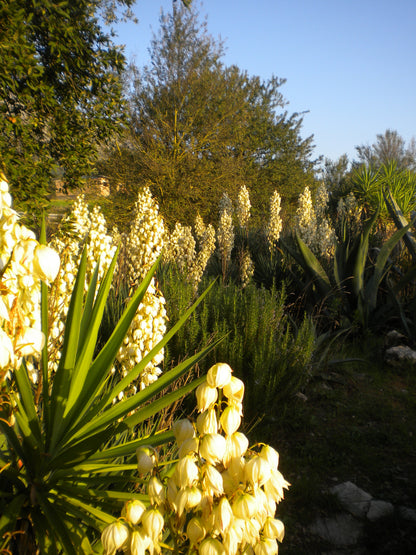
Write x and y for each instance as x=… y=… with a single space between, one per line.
x=195 y=531
x=183 y=430
x=46 y=263
x=205 y=396
x=114 y=536
x=219 y=375
x=206 y=423
x=230 y=420
x=234 y=390
x=211 y=546
x=152 y=522
x=212 y=448
x=146 y=459
x=133 y=510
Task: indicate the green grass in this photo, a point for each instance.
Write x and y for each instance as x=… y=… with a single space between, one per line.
x=358 y=424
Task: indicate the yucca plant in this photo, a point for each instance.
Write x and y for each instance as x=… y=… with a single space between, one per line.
x=66 y=467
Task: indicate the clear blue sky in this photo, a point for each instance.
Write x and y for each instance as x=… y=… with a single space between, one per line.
x=350 y=63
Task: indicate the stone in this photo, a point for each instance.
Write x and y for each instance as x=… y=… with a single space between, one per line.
x=406 y=513
x=353 y=499
x=400 y=356
x=341 y=530
x=394 y=338
x=379 y=509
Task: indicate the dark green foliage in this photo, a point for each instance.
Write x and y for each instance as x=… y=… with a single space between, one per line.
x=67 y=461
x=368 y=183
x=358 y=287
x=198 y=128
x=60 y=92
x=261 y=343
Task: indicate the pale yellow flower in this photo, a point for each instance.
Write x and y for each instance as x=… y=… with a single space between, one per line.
x=146 y=459
x=115 y=536
x=133 y=510
x=206 y=396
x=219 y=375
x=211 y=546
x=230 y=420
x=212 y=448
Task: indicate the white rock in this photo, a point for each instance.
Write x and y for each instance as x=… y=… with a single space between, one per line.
x=407 y=513
x=400 y=356
x=353 y=499
x=379 y=509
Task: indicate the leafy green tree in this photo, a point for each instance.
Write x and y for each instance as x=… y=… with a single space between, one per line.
x=389 y=147
x=198 y=128
x=60 y=91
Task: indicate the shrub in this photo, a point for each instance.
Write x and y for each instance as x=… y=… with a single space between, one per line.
x=265 y=348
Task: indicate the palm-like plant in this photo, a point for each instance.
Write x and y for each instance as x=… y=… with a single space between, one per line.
x=354 y=281
x=65 y=467
x=369 y=184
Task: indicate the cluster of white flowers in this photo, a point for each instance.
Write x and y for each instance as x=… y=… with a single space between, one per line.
x=306 y=218
x=146 y=330
x=23 y=263
x=181 y=248
x=221 y=497
x=350 y=211
x=199 y=227
x=325 y=234
x=225 y=231
x=313 y=224
x=206 y=247
x=246 y=268
x=143 y=245
x=189 y=256
x=78 y=228
x=145 y=240
x=274 y=226
x=243 y=207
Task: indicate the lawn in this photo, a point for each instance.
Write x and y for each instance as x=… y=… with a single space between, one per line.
x=356 y=422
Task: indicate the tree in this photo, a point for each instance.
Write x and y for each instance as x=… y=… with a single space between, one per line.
x=389 y=147
x=60 y=91
x=198 y=128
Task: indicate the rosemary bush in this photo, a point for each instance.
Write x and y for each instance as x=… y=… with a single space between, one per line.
x=267 y=350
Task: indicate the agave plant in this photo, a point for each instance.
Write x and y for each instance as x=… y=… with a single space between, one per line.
x=354 y=281
x=66 y=465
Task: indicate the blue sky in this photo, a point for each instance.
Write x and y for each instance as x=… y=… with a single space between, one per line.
x=350 y=63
